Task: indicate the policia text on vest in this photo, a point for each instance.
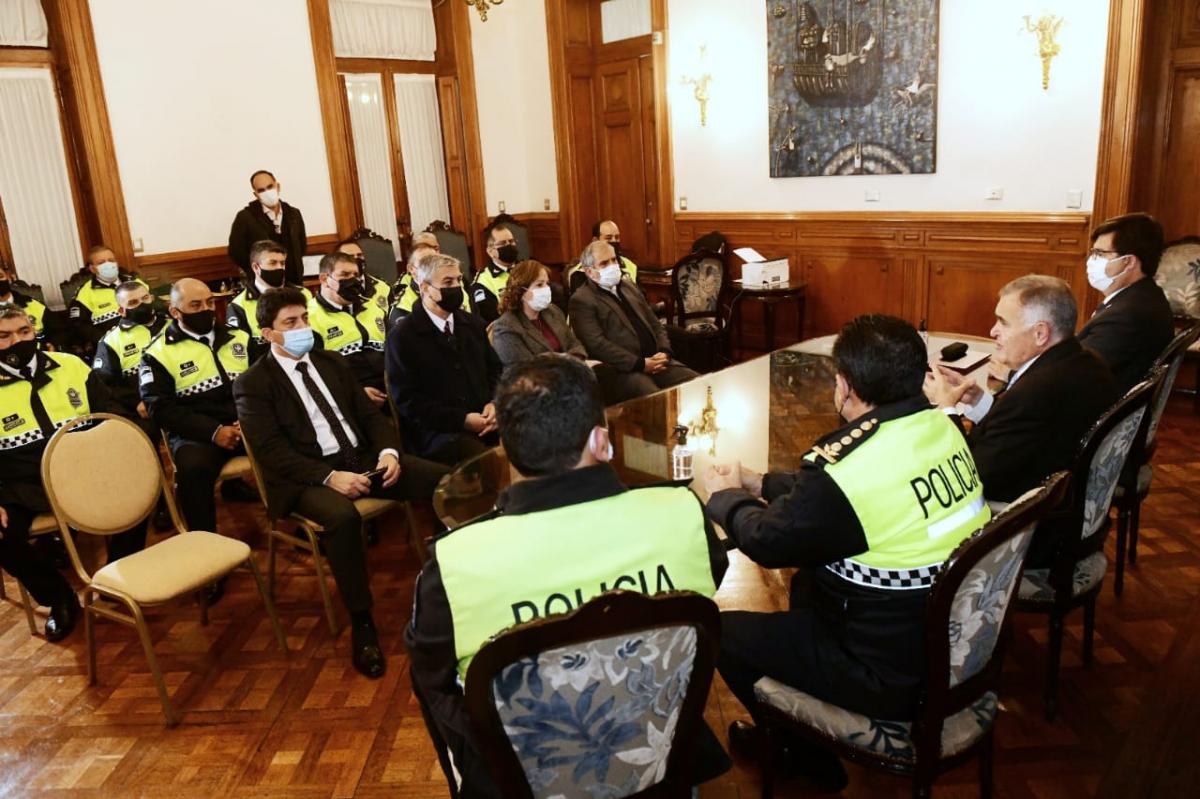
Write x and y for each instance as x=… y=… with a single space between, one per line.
x=656 y=582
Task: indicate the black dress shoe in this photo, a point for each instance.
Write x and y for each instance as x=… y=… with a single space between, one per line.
x=793 y=756
x=211 y=594
x=368 y=657
x=63 y=617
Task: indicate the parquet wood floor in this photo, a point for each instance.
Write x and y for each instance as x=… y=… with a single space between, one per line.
x=258 y=725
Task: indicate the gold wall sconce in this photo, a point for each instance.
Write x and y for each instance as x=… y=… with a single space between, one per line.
x=706 y=425
x=1046 y=28
x=482 y=7
x=700 y=88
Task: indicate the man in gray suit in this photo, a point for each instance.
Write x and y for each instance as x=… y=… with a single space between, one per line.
x=617 y=327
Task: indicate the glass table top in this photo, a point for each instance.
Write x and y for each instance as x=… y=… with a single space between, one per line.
x=768 y=412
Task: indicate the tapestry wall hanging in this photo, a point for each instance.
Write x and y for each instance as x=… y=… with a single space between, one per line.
x=853 y=86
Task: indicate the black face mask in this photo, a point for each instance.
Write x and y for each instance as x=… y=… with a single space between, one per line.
x=273 y=277
x=5 y=287
x=18 y=355
x=616 y=245
x=201 y=322
x=350 y=289
x=141 y=315
x=452 y=299
x=507 y=253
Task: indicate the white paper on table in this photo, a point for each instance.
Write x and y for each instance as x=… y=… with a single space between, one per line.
x=749 y=255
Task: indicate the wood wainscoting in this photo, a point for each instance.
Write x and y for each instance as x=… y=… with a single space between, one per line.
x=945 y=268
x=207 y=264
x=546 y=241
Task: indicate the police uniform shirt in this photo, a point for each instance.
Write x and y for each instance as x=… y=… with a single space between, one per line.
x=120 y=369
x=486 y=290
x=429 y=638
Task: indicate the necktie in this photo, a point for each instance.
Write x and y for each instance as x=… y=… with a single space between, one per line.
x=331 y=418
x=1011 y=373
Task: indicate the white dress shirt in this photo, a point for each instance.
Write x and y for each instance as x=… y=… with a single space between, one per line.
x=276 y=217
x=441 y=324
x=981 y=408
x=325 y=437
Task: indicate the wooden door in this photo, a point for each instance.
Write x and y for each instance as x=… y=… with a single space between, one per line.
x=622 y=144
x=1178 y=202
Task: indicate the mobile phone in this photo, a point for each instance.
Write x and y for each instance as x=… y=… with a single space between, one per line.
x=376 y=478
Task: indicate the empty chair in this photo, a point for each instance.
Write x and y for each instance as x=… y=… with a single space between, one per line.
x=700 y=331
x=1077 y=572
x=546 y=698
x=88 y=496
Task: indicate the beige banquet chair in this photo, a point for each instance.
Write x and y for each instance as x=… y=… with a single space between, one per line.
x=89 y=496
x=42 y=523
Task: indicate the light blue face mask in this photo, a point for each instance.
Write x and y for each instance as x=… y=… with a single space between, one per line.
x=108 y=271
x=298 y=342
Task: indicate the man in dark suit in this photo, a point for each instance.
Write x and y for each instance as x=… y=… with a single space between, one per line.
x=268 y=218
x=618 y=327
x=1055 y=393
x=1134 y=323
x=441 y=370
x=316 y=436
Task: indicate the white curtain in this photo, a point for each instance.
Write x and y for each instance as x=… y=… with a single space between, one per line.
x=383 y=29
x=421 y=143
x=373 y=155
x=22 y=24
x=34 y=185
x=624 y=19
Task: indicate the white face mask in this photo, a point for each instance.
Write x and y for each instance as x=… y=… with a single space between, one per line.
x=539 y=298
x=1096 y=275
x=610 y=276
x=269 y=197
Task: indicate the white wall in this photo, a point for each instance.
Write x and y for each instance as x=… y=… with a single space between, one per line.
x=996 y=126
x=516 y=119
x=186 y=84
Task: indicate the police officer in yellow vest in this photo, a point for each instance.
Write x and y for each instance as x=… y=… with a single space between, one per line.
x=870 y=517
x=490 y=282
x=94 y=308
x=551 y=546
x=374 y=290
x=39 y=393
x=10 y=298
x=186 y=380
x=607 y=230
x=345 y=324
x=119 y=353
x=268 y=270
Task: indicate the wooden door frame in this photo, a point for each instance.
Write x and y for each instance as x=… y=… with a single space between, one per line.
x=565 y=161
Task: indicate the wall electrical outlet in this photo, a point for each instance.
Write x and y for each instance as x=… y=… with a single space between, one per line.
x=501 y=205
x=1074 y=198
x=994 y=193
x=871 y=195
x=546 y=204
x=138 y=247
x=683 y=203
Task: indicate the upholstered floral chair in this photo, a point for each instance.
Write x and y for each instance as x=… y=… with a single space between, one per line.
x=601 y=703
x=1075 y=577
x=968 y=607
x=1134 y=484
x=1179 y=276
x=700 y=326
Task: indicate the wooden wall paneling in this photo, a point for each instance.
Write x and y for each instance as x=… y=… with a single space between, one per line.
x=546 y=240
x=1120 y=108
x=1188 y=25
x=208 y=263
x=337 y=136
x=622 y=178
x=962 y=289
x=567 y=31
x=842 y=285
x=77 y=69
x=1178 y=206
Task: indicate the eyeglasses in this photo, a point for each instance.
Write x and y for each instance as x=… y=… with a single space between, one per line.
x=1110 y=254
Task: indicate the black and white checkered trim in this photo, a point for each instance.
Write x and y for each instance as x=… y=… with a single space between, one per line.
x=891 y=579
x=350 y=349
x=26 y=438
x=375 y=345
x=131 y=371
x=107 y=317
x=201 y=387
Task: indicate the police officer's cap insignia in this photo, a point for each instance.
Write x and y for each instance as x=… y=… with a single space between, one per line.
x=239 y=350
x=74 y=398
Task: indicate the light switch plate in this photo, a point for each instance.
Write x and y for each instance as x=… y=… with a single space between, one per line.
x=683 y=203
x=546 y=204
x=1074 y=198
x=995 y=193
x=501 y=206
x=137 y=245
x=871 y=195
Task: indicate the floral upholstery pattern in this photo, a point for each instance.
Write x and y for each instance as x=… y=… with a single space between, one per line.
x=700 y=285
x=1145 y=475
x=980 y=605
x=890 y=738
x=1105 y=469
x=1035 y=584
x=1160 y=401
x=1179 y=276
x=596 y=720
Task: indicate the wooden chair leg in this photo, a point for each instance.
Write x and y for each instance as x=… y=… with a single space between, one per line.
x=271 y=563
x=262 y=589
x=1122 y=532
x=1053 y=659
x=159 y=683
x=27 y=603
x=987 y=768
x=1135 y=520
x=1089 y=630
x=318 y=563
x=415 y=540
x=3 y=593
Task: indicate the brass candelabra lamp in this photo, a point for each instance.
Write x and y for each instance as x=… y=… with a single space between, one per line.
x=1046 y=28
x=706 y=425
x=482 y=7
x=699 y=86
